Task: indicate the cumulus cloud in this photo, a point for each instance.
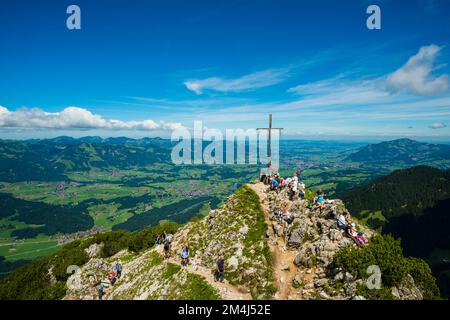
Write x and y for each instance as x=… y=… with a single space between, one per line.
x=73 y=118
x=416 y=75
x=438 y=125
x=250 y=81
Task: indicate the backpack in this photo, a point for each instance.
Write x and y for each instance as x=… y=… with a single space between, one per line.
x=118 y=267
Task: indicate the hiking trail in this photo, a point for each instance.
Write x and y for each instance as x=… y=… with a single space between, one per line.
x=284 y=269
x=226 y=290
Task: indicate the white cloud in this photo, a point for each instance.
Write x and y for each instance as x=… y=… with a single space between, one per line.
x=340 y=91
x=416 y=75
x=74 y=118
x=438 y=125
x=251 y=81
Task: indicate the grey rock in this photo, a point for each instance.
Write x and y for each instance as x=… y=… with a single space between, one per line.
x=297 y=281
x=297 y=235
x=320 y=282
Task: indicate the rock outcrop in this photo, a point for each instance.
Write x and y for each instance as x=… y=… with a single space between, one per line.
x=315 y=238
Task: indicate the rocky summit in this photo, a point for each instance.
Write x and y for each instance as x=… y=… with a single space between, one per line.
x=266 y=257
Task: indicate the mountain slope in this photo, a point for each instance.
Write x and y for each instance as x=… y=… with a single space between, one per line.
x=265 y=259
x=408 y=191
x=412 y=204
x=402 y=151
x=237 y=230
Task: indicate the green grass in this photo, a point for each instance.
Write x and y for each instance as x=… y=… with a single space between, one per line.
x=366 y=215
x=28 y=249
x=197 y=288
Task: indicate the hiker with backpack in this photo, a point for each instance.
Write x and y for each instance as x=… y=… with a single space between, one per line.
x=220 y=269
x=112 y=277
x=101 y=291
x=159 y=239
x=166 y=248
x=184 y=256
x=118 y=270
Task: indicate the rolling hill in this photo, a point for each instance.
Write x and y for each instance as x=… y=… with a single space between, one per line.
x=50 y=160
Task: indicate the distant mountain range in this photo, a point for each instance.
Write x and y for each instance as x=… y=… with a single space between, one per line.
x=50 y=159
x=406 y=151
x=414 y=205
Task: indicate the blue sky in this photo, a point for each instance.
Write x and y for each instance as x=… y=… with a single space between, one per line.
x=142 y=68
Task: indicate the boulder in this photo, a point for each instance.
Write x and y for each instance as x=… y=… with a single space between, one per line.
x=335 y=235
x=285 y=267
x=232 y=263
x=320 y=282
x=297 y=235
x=278 y=229
x=94 y=250
x=409 y=291
x=244 y=230
x=297 y=281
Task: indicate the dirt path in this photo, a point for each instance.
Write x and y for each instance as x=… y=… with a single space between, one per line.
x=283 y=259
x=226 y=290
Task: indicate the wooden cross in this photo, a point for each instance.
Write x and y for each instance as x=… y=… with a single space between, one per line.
x=269 y=154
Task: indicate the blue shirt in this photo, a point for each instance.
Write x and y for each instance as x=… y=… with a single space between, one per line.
x=320 y=199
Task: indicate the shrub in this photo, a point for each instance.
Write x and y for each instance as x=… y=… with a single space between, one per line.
x=383 y=251
x=423 y=278
x=71 y=254
x=386 y=253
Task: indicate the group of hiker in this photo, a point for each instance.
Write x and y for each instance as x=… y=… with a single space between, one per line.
x=166 y=240
x=343 y=219
x=296 y=188
x=113 y=276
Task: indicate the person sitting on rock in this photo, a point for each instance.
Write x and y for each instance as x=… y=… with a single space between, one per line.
x=320 y=198
x=220 y=268
x=342 y=221
x=274 y=184
x=353 y=233
x=184 y=256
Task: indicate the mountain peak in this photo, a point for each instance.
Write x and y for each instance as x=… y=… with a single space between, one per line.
x=401 y=151
x=265 y=257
